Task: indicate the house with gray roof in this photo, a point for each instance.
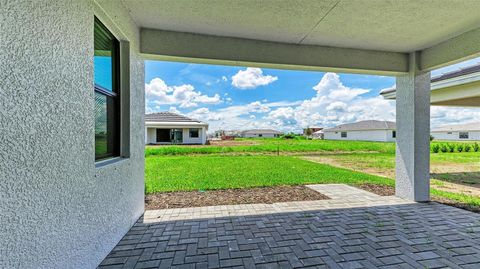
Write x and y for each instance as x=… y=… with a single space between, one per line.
x=368 y=130
x=459 y=88
x=261 y=133
x=469 y=131
x=172 y=128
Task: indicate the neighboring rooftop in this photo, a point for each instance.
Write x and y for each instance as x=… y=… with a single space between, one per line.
x=457 y=73
x=261 y=131
x=473 y=126
x=364 y=125
x=452 y=74
x=169 y=117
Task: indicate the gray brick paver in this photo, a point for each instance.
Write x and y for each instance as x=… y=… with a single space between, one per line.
x=353 y=230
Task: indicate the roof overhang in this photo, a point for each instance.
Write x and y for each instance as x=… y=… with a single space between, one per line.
x=361 y=36
x=457 y=91
x=152 y=124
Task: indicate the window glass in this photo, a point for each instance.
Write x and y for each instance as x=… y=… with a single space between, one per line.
x=107 y=113
x=194 y=133
x=463 y=135
x=394 y=134
x=343 y=134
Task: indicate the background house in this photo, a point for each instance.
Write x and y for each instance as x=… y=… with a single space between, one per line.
x=171 y=128
x=266 y=133
x=469 y=131
x=318 y=134
x=369 y=130
x=456 y=88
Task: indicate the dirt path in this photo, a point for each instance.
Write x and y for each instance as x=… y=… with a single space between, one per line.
x=452 y=177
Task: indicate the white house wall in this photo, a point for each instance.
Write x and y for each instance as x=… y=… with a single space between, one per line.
x=455 y=136
x=368 y=135
x=151 y=136
x=257 y=135
x=58 y=210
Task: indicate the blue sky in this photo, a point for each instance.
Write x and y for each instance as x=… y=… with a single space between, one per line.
x=234 y=98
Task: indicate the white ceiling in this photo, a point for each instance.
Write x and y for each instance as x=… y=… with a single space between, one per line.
x=388 y=25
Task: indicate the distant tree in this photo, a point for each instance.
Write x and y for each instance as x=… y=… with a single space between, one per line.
x=308 y=132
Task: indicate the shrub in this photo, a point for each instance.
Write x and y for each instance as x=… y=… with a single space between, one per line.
x=468 y=148
x=444 y=148
x=288 y=136
x=460 y=147
x=431 y=137
x=451 y=147
x=476 y=147
x=435 y=148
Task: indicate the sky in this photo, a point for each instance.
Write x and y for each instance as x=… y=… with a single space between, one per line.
x=240 y=98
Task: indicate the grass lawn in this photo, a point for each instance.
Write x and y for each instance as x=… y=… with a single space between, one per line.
x=177 y=173
x=276 y=145
x=253 y=163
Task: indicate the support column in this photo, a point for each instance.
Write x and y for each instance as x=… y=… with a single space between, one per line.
x=413 y=133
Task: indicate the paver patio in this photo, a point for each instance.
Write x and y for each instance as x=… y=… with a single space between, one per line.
x=354 y=229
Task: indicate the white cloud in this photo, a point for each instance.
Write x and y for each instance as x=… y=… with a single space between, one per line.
x=334 y=103
x=251 y=78
x=158 y=93
x=224 y=78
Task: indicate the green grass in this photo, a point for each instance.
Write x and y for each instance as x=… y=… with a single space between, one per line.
x=274 y=145
x=459 y=197
x=180 y=168
x=164 y=174
x=387 y=160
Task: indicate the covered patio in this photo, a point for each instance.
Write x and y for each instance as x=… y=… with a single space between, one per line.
x=355 y=229
x=64 y=208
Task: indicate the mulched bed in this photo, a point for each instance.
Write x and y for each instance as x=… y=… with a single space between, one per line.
x=381 y=190
x=453 y=203
x=388 y=190
x=264 y=195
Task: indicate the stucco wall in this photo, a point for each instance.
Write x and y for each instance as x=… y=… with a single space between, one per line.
x=264 y=135
x=57 y=209
x=151 y=136
x=370 y=135
x=454 y=136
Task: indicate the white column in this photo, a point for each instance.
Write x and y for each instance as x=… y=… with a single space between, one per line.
x=413 y=134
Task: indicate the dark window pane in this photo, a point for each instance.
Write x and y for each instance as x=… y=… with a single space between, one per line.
x=194 y=133
x=107 y=95
x=105 y=50
x=106 y=126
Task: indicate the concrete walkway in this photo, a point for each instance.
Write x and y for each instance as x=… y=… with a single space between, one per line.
x=354 y=229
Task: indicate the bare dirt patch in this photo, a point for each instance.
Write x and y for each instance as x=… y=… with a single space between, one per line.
x=231 y=143
x=264 y=195
x=381 y=190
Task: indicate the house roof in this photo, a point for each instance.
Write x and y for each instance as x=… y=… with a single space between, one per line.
x=261 y=131
x=363 y=125
x=169 y=117
x=473 y=126
x=457 y=73
x=449 y=75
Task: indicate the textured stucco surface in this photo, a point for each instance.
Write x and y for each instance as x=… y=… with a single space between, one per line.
x=413 y=134
x=57 y=209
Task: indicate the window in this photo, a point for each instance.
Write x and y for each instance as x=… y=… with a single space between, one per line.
x=394 y=134
x=107 y=92
x=343 y=134
x=449 y=132
x=463 y=135
x=260 y=135
x=194 y=133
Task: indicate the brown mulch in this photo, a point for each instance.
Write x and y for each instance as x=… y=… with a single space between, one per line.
x=263 y=195
x=453 y=203
x=381 y=190
x=389 y=190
